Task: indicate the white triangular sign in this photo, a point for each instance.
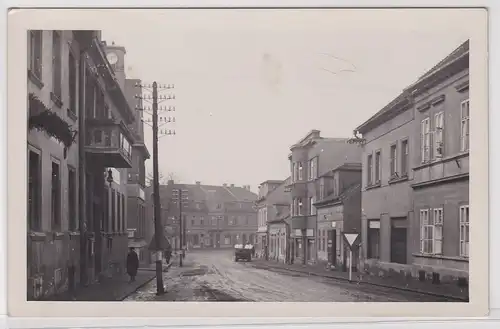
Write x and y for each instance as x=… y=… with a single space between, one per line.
x=351 y=237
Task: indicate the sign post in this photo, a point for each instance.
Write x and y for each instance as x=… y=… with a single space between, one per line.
x=351 y=239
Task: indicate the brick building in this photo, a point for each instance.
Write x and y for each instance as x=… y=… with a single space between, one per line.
x=76 y=179
x=312 y=157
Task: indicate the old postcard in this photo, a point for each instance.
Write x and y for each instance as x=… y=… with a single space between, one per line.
x=159 y=157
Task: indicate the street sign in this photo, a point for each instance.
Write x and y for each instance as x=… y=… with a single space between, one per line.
x=351 y=238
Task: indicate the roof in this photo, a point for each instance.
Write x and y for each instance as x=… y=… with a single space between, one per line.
x=403 y=99
x=332 y=198
x=277 y=195
x=209 y=195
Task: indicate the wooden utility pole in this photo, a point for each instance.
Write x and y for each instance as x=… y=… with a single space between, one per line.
x=156 y=194
x=181 y=196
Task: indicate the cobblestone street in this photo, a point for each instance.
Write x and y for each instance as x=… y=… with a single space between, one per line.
x=214 y=276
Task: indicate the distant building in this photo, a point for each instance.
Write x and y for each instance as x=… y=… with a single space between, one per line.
x=312 y=157
x=214 y=216
x=268 y=196
x=338 y=212
x=270 y=207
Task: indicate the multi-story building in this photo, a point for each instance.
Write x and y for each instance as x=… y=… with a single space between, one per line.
x=416 y=176
x=338 y=212
x=266 y=199
x=386 y=191
x=137 y=225
x=76 y=219
x=272 y=199
x=441 y=167
x=53 y=184
x=213 y=216
x=312 y=157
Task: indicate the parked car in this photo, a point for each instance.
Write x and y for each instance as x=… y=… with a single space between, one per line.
x=243 y=252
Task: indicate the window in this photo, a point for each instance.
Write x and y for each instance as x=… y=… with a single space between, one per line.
x=312 y=208
x=393 y=163
x=300 y=207
x=438 y=231
x=404 y=158
x=426 y=231
x=294 y=172
x=35 y=59
x=301 y=171
x=89 y=95
x=214 y=221
x=219 y=206
x=425 y=139
x=464 y=135
x=124 y=214
x=56 y=64
x=113 y=209
x=369 y=171
x=73 y=222
x=322 y=188
x=193 y=221
x=313 y=168
x=119 y=213
x=34 y=191
x=56 y=197
x=378 y=167
x=464 y=231
x=438 y=135
x=202 y=220
x=431 y=231
x=73 y=78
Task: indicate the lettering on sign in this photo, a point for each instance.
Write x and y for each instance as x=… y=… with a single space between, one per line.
x=374 y=224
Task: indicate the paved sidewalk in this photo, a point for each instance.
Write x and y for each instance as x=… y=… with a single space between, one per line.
x=451 y=291
x=112 y=289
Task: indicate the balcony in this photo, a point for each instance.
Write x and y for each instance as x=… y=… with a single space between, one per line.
x=108 y=143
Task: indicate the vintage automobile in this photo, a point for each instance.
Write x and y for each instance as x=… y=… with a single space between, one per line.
x=243 y=252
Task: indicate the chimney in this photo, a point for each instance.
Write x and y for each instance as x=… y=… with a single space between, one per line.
x=225 y=185
x=232 y=185
x=198 y=183
x=170 y=182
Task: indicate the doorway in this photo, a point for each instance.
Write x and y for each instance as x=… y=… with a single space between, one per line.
x=332 y=247
x=398 y=245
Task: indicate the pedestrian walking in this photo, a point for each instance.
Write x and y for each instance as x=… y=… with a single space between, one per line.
x=253 y=251
x=132 y=264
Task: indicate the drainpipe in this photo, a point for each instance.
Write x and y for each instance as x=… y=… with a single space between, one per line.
x=82 y=167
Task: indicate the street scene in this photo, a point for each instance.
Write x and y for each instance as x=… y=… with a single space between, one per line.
x=214 y=276
x=298 y=164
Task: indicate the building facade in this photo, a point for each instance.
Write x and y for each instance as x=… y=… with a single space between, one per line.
x=213 y=216
x=441 y=168
x=78 y=152
x=271 y=192
x=387 y=177
x=416 y=177
x=311 y=157
x=338 y=212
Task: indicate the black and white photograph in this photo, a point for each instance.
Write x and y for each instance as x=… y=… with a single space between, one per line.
x=253 y=156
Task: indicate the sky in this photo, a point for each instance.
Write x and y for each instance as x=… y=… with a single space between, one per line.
x=251 y=83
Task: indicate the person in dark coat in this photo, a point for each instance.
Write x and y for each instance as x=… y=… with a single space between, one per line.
x=132 y=264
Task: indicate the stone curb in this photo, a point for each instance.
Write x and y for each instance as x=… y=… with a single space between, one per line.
x=423 y=292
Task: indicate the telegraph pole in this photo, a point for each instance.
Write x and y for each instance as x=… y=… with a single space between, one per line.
x=156 y=193
x=181 y=197
x=159 y=230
